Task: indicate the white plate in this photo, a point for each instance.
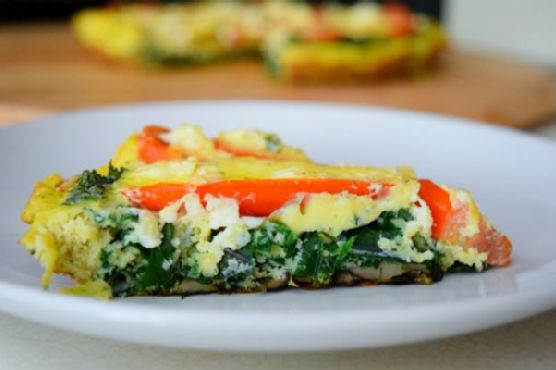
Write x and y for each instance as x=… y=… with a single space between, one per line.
x=512 y=175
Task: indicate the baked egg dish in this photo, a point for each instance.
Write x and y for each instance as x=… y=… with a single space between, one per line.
x=243 y=212
x=298 y=42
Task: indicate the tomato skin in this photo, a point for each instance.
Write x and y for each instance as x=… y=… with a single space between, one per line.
x=489 y=240
x=152 y=149
x=399 y=18
x=257 y=197
x=155 y=130
x=449 y=221
x=440 y=205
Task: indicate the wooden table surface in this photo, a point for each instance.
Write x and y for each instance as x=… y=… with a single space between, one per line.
x=43 y=67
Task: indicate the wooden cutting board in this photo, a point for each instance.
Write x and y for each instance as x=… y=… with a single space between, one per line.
x=43 y=66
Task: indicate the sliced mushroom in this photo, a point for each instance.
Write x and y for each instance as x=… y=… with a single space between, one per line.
x=277 y=283
x=193 y=287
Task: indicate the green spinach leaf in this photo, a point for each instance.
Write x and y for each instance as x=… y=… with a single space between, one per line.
x=320 y=257
x=159 y=271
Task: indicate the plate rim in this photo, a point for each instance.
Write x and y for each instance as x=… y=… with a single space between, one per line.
x=106 y=311
x=133 y=316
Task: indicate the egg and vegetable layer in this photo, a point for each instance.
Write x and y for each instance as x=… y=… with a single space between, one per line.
x=257 y=217
x=299 y=42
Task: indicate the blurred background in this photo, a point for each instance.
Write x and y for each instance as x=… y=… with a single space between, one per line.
x=513 y=27
x=21 y=10
x=499 y=66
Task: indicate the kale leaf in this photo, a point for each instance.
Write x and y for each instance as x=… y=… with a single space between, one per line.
x=91 y=185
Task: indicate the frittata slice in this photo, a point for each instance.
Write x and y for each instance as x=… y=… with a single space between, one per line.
x=244 y=224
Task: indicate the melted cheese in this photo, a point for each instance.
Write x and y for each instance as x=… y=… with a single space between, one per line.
x=327 y=213
x=197 y=172
x=249 y=168
x=159 y=172
x=333 y=214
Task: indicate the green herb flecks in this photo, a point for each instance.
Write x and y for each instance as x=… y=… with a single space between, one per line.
x=92 y=186
x=273 y=143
